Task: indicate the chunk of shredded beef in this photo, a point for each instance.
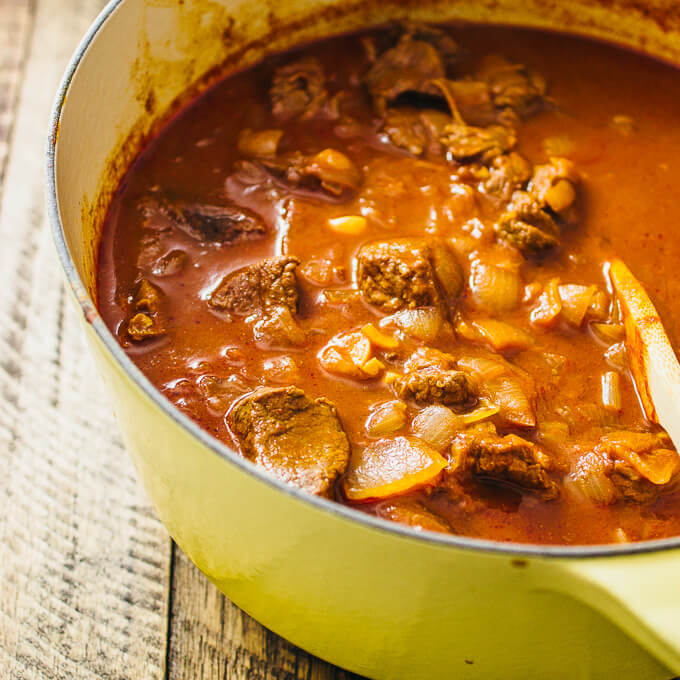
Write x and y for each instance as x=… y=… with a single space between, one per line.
x=435 y=386
x=145 y=321
x=467 y=143
x=258 y=287
x=298 y=89
x=223 y=224
x=507 y=173
x=643 y=464
x=328 y=172
x=415 y=131
x=509 y=460
x=515 y=90
x=408 y=273
x=299 y=440
x=410 y=66
x=527 y=225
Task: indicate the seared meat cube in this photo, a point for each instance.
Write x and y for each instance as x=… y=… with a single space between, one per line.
x=408 y=273
x=415 y=131
x=259 y=287
x=434 y=386
x=467 y=143
x=643 y=464
x=142 y=326
x=299 y=440
x=224 y=224
x=510 y=459
x=507 y=173
x=554 y=184
x=469 y=101
x=410 y=66
x=146 y=319
x=527 y=225
x=298 y=89
x=330 y=172
x=448 y=49
x=514 y=89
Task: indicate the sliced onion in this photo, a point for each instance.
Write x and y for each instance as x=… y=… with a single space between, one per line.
x=500 y=382
x=495 y=288
x=549 y=306
x=608 y=332
x=615 y=356
x=388 y=418
x=436 y=425
x=423 y=323
x=611 y=391
x=390 y=467
x=502 y=336
x=591 y=481
x=575 y=302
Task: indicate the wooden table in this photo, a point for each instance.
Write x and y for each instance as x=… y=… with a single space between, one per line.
x=91 y=585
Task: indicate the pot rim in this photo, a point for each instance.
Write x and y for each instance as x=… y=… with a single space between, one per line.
x=92 y=317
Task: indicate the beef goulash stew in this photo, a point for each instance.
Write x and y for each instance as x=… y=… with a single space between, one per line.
x=378 y=267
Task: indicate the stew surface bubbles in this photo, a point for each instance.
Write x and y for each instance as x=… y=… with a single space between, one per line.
x=378 y=266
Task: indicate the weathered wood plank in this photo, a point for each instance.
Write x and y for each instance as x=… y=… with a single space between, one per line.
x=15 y=23
x=211 y=639
x=84 y=563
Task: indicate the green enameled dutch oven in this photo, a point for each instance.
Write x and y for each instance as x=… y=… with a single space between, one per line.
x=368 y=595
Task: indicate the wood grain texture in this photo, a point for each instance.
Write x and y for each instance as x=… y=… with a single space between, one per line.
x=210 y=638
x=15 y=26
x=84 y=563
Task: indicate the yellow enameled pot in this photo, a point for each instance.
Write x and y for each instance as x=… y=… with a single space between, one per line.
x=368 y=595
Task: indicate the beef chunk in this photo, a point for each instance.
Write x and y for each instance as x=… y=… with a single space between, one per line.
x=554 y=184
x=527 y=225
x=516 y=91
x=298 y=89
x=299 y=440
x=469 y=101
x=642 y=464
x=507 y=173
x=409 y=66
x=447 y=48
x=434 y=386
x=146 y=317
x=259 y=288
x=224 y=224
x=415 y=131
x=510 y=460
x=328 y=172
x=466 y=143
x=408 y=273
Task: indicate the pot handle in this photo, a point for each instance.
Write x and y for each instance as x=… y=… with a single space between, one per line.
x=638 y=593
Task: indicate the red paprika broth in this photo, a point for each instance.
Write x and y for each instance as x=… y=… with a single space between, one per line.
x=432 y=337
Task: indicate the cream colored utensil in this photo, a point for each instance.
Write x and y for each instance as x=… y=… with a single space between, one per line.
x=653 y=362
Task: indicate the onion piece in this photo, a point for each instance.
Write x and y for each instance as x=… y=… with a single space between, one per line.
x=590 y=480
x=615 y=356
x=422 y=323
x=575 y=302
x=611 y=391
x=436 y=425
x=608 y=332
x=479 y=414
x=260 y=143
x=495 y=288
x=505 y=386
x=549 y=306
x=502 y=336
x=346 y=354
x=388 y=418
x=390 y=467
